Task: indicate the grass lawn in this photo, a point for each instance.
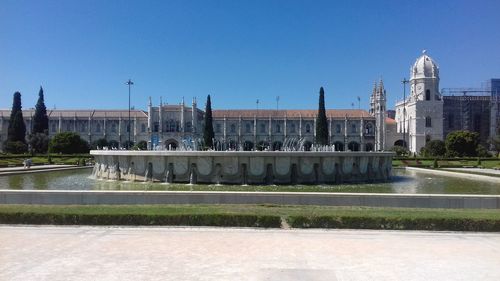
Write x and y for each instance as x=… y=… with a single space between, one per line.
x=256 y=215
x=17 y=160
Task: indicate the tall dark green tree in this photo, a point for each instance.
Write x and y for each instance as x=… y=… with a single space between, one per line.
x=321 y=123
x=40 y=119
x=17 y=129
x=16 y=133
x=208 y=131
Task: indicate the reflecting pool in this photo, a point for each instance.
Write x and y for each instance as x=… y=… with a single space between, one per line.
x=406 y=182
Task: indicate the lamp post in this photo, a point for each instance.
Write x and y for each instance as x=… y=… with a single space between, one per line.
x=404 y=111
x=129 y=83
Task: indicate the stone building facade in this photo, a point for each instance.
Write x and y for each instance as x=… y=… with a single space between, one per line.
x=88 y=123
x=166 y=126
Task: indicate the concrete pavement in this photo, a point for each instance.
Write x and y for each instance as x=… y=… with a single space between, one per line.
x=142 y=253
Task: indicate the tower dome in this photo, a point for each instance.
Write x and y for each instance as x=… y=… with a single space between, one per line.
x=424 y=67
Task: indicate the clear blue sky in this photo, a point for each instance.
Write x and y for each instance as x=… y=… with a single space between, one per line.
x=82 y=52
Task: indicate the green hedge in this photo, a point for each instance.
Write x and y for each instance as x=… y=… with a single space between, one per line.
x=449 y=224
x=236 y=220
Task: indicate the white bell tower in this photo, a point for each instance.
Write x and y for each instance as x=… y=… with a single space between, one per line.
x=424 y=105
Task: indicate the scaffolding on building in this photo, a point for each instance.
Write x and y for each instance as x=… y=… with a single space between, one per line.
x=466 y=95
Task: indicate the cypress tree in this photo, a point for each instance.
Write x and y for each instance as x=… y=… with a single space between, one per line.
x=321 y=123
x=17 y=128
x=40 y=119
x=208 y=131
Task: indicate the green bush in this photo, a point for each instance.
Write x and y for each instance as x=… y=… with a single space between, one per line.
x=481 y=151
x=453 y=224
x=435 y=148
x=234 y=220
x=99 y=143
x=68 y=143
x=462 y=143
x=15 y=147
x=39 y=142
x=113 y=144
x=400 y=151
x=142 y=145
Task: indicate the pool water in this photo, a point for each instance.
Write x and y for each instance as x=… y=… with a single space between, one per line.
x=403 y=181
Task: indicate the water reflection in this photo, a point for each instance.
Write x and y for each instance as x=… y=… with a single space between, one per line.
x=404 y=182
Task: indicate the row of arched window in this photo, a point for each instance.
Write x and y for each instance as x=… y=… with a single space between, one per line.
x=263 y=128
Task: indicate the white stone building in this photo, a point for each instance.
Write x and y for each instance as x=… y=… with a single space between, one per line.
x=420 y=115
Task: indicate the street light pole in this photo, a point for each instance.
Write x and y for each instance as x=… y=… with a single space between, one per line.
x=129 y=83
x=404 y=111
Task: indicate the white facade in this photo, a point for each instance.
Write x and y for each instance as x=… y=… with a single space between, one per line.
x=423 y=120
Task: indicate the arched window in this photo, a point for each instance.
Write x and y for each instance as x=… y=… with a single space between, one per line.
x=369 y=147
x=233 y=128
x=427 y=138
x=353 y=128
x=339 y=146
x=263 y=128
x=54 y=127
x=248 y=128
x=338 y=129
x=427 y=94
x=278 y=128
x=98 y=128
x=292 y=128
x=247 y=145
x=369 y=129
x=428 y=122
x=143 y=128
x=217 y=128
x=113 y=128
x=308 y=128
x=353 y=146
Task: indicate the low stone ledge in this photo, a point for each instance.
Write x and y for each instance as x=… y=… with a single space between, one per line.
x=54 y=197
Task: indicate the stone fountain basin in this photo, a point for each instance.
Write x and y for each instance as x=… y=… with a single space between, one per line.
x=243 y=167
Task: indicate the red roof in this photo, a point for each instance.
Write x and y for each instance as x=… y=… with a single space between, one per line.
x=389 y=121
x=247 y=113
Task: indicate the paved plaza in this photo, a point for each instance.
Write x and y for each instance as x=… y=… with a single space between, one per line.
x=171 y=253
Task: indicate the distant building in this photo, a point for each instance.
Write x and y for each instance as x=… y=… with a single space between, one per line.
x=166 y=126
x=391 y=113
x=420 y=116
x=429 y=114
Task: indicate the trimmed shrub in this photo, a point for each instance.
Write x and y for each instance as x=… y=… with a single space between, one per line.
x=454 y=224
x=400 y=151
x=15 y=147
x=435 y=148
x=39 y=142
x=68 y=143
x=235 y=220
x=462 y=143
x=99 y=143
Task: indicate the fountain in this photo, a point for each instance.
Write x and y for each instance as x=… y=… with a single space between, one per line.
x=228 y=164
